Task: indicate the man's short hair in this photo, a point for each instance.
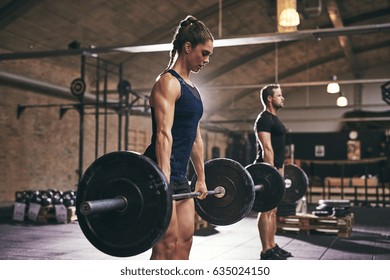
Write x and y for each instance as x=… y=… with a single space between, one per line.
x=266 y=91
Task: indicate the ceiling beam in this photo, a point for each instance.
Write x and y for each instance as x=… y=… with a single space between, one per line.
x=372 y=15
x=212 y=11
x=241 y=60
x=160 y=33
x=298 y=84
x=250 y=110
x=15 y=9
x=303 y=120
x=229 y=42
x=314 y=63
x=346 y=45
x=332 y=57
x=249 y=57
x=42 y=87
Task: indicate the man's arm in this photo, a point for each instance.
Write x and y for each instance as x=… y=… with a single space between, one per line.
x=198 y=163
x=163 y=97
x=265 y=139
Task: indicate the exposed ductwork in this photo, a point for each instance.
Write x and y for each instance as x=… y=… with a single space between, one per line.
x=40 y=87
x=48 y=89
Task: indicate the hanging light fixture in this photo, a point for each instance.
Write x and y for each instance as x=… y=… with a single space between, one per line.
x=342 y=101
x=333 y=87
x=288 y=17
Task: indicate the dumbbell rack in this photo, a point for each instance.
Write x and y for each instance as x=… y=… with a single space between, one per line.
x=47 y=214
x=45 y=206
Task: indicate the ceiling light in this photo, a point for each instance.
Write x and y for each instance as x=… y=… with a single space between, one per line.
x=342 y=101
x=287 y=13
x=333 y=87
x=289 y=17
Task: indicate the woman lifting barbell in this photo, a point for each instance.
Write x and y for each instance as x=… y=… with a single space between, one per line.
x=176 y=109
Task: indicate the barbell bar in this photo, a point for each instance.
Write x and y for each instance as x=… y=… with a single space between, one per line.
x=120 y=203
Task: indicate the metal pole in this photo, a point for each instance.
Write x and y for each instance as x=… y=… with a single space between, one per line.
x=81 y=124
x=127 y=116
x=105 y=107
x=97 y=109
x=120 y=112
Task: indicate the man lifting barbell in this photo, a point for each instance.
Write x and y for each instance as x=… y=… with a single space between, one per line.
x=270 y=137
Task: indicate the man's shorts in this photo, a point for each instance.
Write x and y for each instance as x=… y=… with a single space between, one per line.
x=180 y=187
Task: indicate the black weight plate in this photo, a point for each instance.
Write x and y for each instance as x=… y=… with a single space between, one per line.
x=338 y=212
x=124 y=87
x=239 y=193
x=321 y=213
x=147 y=217
x=273 y=186
x=322 y=207
x=385 y=90
x=334 y=203
x=299 y=183
x=77 y=87
x=330 y=208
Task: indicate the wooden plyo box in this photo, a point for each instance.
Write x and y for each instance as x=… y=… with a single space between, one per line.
x=308 y=223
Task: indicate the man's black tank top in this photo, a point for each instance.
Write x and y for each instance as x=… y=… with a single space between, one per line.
x=188 y=111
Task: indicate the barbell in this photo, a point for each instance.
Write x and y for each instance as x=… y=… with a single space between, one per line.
x=277 y=189
x=124 y=202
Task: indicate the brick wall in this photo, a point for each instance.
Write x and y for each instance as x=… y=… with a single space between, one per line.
x=39 y=150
